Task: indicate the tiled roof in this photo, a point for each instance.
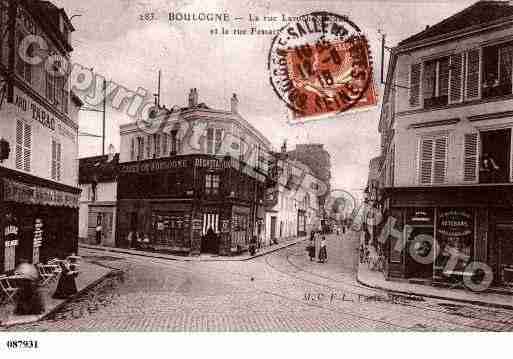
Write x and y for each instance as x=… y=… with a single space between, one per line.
x=480 y=13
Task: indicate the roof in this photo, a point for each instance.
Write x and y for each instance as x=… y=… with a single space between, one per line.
x=97 y=169
x=478 y=14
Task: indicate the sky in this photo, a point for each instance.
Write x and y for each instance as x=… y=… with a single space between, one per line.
x=111 y=38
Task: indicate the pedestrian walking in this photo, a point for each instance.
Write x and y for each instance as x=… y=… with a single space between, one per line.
x=323 y=251
x=310 y=248
x=99 y=233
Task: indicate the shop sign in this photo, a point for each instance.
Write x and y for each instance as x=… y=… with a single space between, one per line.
x=38 y=233
x=153 y=166
x=455 y=223
x=38 y=114
x=211 y=163
x=22 y=193
x=420 y=216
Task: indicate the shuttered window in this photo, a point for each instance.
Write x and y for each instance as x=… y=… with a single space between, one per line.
x=23 y=146
x=148 y=147
x=473 y=75
x=164 y=145
x=432 y=160
x=156 y=142
x=471 y=158
x=140 y=148
x=56 y=160
x=456 y=78
x=415 y=71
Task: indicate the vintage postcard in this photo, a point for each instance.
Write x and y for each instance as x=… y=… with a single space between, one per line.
x=255 y=166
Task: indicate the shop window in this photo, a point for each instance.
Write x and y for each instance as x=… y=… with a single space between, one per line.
x=23 y=145
x=497 y=70
x=495 y=156
x=56 y=160
x=432 y=164
x=212 y=184
x=435 y=82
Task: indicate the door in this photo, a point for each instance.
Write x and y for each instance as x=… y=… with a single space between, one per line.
x=273 y=227
x=504 y=236
x=210 y=233
x=419 y=248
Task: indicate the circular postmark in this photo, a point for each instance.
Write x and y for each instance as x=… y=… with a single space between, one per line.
x=320 y=63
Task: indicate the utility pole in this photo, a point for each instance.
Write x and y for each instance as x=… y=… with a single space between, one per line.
x=103 y=113
x=382 y=56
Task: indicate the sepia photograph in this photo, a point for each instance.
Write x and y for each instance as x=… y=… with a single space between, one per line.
x=255 y=167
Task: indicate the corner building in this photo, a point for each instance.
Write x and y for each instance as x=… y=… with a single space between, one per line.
x=202 y=169
x=447 y=111
x=38 y=118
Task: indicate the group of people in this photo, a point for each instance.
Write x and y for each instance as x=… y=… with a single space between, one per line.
x=311 y=248
x=137 y=240
x=29 y=298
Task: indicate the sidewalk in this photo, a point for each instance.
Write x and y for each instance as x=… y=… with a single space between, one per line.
x=376 y=279
x=200 y=258
x=89 y=275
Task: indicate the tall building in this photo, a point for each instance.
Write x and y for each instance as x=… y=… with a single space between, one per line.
x=195 y=184
x=446 y=125
x=38 y=119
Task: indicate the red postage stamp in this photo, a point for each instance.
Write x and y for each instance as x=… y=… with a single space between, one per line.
x=321 y=65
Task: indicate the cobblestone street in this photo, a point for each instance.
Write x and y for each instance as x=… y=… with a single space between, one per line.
x=281 y=291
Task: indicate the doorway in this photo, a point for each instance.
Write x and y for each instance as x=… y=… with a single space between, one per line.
x=273 y=228
x=504 y=236
x=420 y=244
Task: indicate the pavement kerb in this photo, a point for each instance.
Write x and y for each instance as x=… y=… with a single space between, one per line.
x=417 y=294
x=190 y=259
x=64 y=302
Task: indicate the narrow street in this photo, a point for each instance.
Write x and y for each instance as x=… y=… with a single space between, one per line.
x=281 y=291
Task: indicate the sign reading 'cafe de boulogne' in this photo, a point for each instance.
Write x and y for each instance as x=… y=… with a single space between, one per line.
x=166 y=164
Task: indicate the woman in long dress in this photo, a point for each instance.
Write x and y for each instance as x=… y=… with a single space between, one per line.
x=66 y=286
x=323 y=252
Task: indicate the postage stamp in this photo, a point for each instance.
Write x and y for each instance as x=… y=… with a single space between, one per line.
x=321 y=65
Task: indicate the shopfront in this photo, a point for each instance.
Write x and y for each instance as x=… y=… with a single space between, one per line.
x=38 y=219
x=446 y=230
x=188 y=205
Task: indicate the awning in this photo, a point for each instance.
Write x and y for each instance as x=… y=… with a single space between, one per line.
x=31 y=194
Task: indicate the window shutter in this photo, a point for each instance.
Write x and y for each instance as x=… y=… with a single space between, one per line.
x=471 y=158
x=19 y=145
x=164 y=145
x=440 y=160
x=473 y=86
x=456 y=78
x=148 y=147
x=132 y=148
x=415 y=73
x=210 y=140
x=425 y=160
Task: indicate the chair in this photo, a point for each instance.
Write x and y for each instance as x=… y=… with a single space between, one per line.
x=8 y=290
x=47 y=272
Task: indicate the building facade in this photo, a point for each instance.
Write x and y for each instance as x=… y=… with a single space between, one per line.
x=446 y=127
x=293 y=201
x=38 y=118
x=196 y=184
x=98 y=180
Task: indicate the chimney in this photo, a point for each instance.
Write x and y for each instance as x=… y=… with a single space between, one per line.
x=234 y=104
x=193 y=97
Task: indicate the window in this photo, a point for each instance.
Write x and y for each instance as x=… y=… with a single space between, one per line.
x=62 y=85
x=214 y=139
x=148 y=147
x=23 y=145
x=51 y=94
x=23 y=69
x=156 y=142
x=435 y=82
x=432 y=165
x=132 y=149
x=140 y=148
x=212 y=184
x=56 y=160
x=497 y=68
x=414 y=94
x=495 y=156
x=174 y=144
x=164 y=144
